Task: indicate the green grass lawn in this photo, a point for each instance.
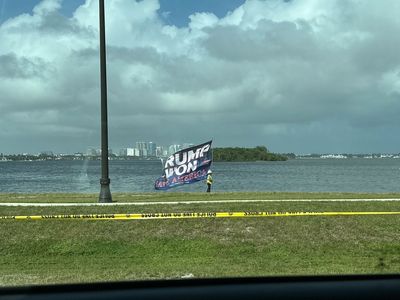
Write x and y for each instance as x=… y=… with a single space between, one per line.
x=59 y=251
x=171 y=196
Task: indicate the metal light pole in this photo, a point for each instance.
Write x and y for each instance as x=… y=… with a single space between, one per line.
x=105 y=194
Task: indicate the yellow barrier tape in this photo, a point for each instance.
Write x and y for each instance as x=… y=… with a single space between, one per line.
x=193 y=215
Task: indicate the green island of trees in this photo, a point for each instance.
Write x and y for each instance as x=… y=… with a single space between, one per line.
x=259 y=153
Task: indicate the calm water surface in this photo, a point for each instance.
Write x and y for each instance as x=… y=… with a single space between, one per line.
x=308 y=175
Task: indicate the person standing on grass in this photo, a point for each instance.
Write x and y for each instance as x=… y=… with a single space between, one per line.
x=209 y=181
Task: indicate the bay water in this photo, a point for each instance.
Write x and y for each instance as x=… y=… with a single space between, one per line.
x=297 y=175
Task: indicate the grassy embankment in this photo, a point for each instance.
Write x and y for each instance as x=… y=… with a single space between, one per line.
x=57 y=251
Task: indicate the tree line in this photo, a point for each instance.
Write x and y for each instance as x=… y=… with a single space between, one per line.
x=259 y=153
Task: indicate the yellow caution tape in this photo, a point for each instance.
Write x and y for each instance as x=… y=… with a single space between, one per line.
x=193 y=215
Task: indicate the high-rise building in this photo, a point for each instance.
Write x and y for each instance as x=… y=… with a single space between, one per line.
x=159 y=151
x=143 y=148
x=91 y=152
x=173 y=148
x=151 y=150
x=129 y=152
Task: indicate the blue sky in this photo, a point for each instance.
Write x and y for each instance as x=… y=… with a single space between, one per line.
x=12 y=8
x=303 y=76
x=174 y=12
x=180 y=9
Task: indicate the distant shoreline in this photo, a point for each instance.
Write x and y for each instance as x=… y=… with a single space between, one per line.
x=83 y=158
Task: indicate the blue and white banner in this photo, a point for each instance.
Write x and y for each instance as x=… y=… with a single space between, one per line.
x=186 y=166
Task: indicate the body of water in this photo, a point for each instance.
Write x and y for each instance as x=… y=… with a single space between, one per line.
x=304 y=175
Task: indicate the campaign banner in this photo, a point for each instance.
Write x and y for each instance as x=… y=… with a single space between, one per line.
x=186 y=166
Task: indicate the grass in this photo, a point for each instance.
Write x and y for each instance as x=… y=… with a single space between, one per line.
x=171 y=196
x=59 y=251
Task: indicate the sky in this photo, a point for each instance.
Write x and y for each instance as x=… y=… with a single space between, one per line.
x=301 y=76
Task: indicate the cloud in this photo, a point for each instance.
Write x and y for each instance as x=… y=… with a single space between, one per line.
x=286 y=72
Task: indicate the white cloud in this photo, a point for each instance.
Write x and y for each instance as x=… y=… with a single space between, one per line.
x=46 y=7
x=202 y=20
x=390 y=82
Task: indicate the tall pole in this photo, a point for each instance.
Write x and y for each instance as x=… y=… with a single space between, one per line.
x=105 y=194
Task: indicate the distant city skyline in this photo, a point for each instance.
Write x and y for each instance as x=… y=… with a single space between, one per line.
x=143 y=148
x=169 y=149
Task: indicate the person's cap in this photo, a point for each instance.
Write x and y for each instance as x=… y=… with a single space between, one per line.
x=209 y=172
